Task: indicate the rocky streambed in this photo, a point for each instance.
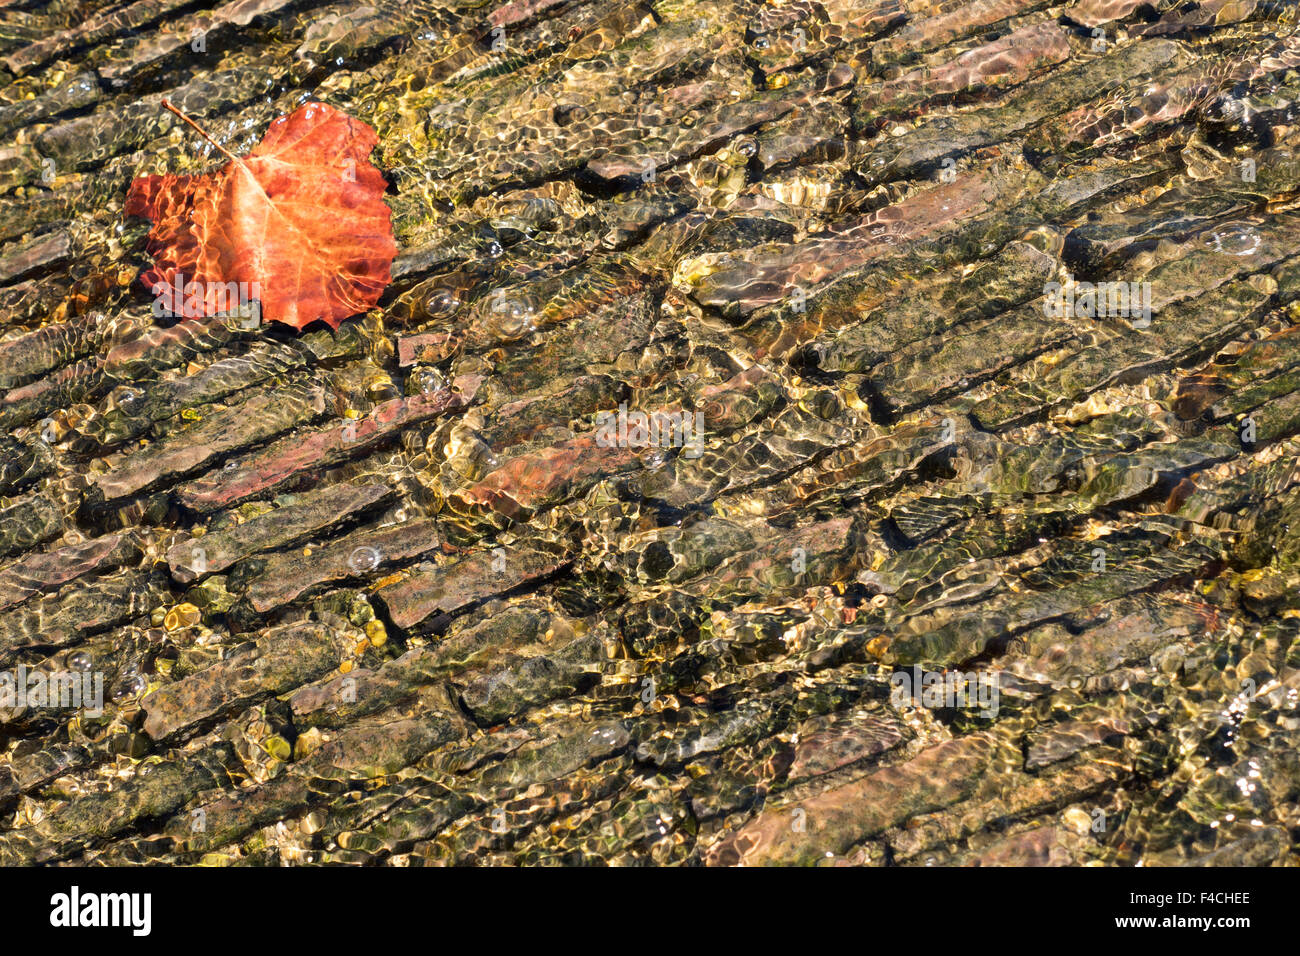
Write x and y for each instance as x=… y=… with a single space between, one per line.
x=966 y=536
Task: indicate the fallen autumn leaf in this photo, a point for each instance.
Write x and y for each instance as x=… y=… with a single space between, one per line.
x=301 y=218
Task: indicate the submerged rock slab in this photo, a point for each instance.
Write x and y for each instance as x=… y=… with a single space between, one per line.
x=286 y=658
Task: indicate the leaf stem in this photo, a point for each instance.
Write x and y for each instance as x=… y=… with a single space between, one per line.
x=201 y=131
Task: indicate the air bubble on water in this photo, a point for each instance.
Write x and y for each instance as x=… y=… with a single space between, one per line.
x=364 y=559
x=441 y=302
x=515 y=317
x=428 y=381
x=132 y=686
x=1235 y=239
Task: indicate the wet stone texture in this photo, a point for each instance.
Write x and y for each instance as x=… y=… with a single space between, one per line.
x=720 y=392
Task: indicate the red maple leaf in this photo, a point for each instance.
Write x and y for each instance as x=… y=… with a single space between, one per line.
x=300 y=222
